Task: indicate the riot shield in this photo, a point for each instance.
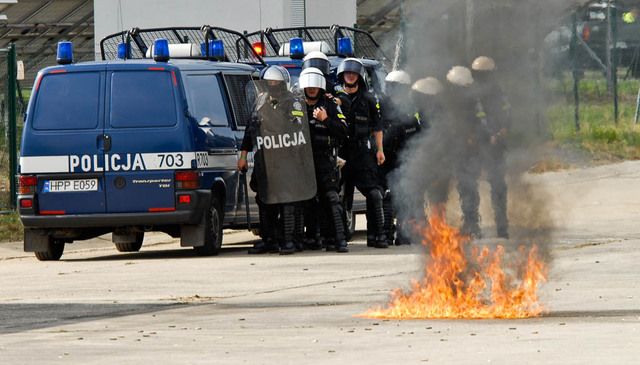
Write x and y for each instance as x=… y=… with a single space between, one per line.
x=284 y=159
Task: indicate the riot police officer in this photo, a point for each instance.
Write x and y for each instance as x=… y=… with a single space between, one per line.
x=361 y=154
x=427 y=94
x=495 y=118
x=401 y=122
x=320 y=61
x=465 y=148
x=328 y=129
x=276 y=109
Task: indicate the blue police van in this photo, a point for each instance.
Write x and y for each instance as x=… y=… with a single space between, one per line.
x=287 y=47
x=144 y=140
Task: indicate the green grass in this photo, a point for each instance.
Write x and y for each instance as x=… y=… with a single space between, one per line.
x=599 y=134
x=10 y=228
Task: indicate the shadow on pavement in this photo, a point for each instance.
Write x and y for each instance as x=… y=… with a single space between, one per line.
x=16 y=318
x=356 y=247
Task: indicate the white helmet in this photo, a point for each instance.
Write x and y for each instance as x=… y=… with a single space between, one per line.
x=276 y=73
x=460 y=76
x=400 y=77
x=427 y=86
x=483 y=63
x=312 y=77
x=318 y=60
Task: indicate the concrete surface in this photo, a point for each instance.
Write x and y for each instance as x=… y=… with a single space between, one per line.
x=166 y=306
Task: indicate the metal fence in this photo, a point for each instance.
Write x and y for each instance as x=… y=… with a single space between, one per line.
x=8 y=129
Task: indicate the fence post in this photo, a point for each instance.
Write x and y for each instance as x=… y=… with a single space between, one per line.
x=612 y=68
x=574 y=71
x=11 y=105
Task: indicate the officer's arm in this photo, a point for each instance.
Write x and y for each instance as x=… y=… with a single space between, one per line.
x=376 y=121
x=337 y=122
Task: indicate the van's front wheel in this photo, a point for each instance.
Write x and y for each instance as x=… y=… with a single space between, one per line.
x=213 y=229
x=55 y=248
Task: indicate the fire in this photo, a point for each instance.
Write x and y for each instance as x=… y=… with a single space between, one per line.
x=462 y=280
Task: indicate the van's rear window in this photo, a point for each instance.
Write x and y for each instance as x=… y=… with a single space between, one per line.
x=67 y=101
x=142 y=99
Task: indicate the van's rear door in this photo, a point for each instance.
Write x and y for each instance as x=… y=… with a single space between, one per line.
x=63 y=143
x=149 y=138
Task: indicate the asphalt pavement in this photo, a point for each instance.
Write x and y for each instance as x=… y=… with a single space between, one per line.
x=167 y=306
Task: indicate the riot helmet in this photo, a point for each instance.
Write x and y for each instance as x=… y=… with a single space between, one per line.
x=460 y=76
x=351 y=65
x=318 y=60
x=428 y=86
x=399 y=77
x=312 y=78
x=279 y=74
x=483 y=63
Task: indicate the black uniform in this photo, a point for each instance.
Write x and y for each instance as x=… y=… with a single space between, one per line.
x=326 y=138
x=494 y=114
x=400 y=124
x=361 y=170
x=466 y=132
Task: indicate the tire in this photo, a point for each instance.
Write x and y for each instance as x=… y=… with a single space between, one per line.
x=349 y=224
x=213 y=229
x=131 y=246
x=54 y=251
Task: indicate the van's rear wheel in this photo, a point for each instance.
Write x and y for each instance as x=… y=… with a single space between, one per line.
x=55 y=248
x=213 y=229
x=131 y=246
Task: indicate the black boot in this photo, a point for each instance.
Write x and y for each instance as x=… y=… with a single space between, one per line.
x=378 y=217
x=389 y=226
x=287 y=247
x=338 y=224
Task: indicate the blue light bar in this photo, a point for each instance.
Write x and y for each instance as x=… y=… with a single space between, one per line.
x=345 y=47
x=216 y=49
x=161 y=50
x=65 y=53
x=296 y=48
x=124 y=51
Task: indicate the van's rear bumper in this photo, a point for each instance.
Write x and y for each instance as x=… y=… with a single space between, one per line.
x=184 y=214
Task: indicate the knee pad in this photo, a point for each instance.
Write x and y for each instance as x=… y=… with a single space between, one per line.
x=375 y=195
x=332 y=197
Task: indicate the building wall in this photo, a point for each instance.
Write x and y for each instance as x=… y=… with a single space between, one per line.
x=112 y=16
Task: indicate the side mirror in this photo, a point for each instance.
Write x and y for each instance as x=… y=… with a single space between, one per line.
x=204 y=122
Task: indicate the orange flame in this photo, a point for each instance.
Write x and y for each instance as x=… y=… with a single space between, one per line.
x=456 y=287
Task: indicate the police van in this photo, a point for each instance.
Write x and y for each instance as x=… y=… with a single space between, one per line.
x=287 y=47
x=144 y=140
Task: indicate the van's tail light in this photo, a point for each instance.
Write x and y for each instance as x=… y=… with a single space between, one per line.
x=27 y=184
x=187 y=180
x=26 y=203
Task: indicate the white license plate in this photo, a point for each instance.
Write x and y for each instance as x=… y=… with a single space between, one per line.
x=63 y=186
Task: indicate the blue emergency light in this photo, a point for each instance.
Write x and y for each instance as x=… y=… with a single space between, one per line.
x=161 y=50
x=216 y=49
x=345 y=47
x=65 y=53
x=296 y=48
x=124 y=51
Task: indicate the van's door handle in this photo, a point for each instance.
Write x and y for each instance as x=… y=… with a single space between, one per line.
x=104 y=142
x=107 y=142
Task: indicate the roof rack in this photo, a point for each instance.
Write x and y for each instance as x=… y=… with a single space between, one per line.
x=142 y=39
x=365 y=46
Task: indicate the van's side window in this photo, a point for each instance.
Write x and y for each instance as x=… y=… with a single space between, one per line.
x=67 y=101
x=238 y=87
x=205 y=100
x=142 y=99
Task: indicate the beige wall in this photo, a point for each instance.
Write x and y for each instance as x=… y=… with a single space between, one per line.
x=240 y=15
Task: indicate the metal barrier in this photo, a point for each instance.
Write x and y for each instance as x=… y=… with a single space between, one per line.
x=8 y=133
